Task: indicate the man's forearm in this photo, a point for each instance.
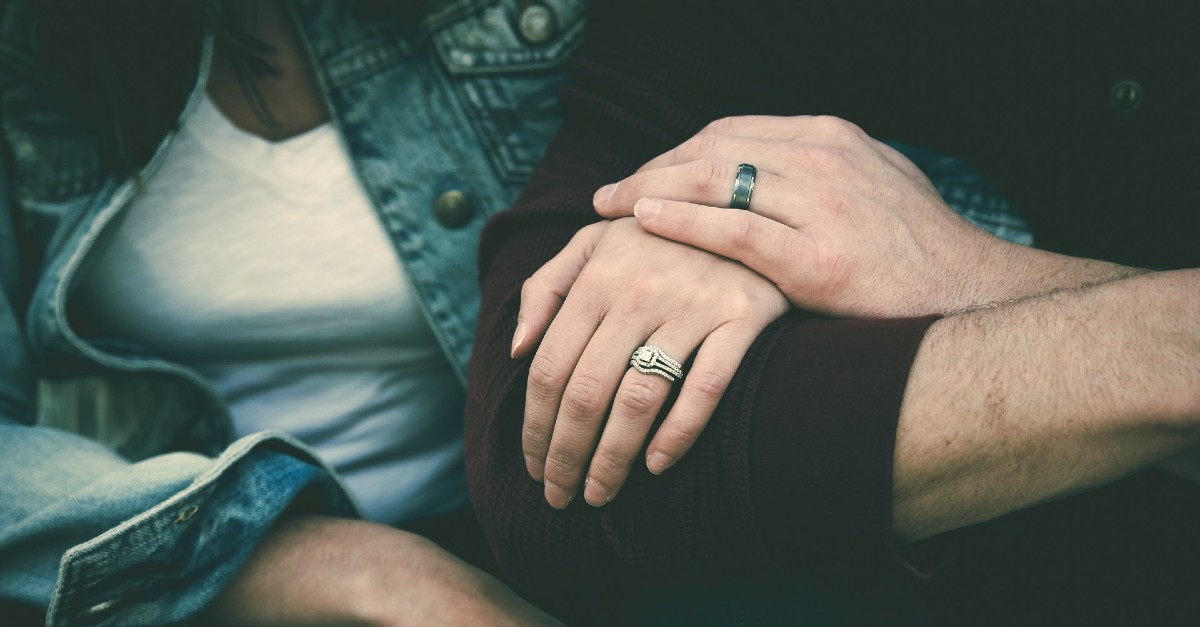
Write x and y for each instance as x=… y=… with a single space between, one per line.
x=1019 y=404
x=1005 y=273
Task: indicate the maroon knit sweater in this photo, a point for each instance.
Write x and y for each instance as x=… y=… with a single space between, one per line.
x=794 y=468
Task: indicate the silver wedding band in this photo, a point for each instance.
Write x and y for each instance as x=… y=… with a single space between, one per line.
x=743 y=186
x=651 y=359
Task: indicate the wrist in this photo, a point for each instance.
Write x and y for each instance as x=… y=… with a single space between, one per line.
x=997 y=272
x=986 y=272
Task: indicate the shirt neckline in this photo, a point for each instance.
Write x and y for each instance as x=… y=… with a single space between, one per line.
x=310 y=162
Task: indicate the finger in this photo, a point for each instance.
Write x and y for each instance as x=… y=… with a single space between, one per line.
x=703 y=386
x=543 y=293
x=635 y=406
x=584 y=406
x=715 y=157
x=777 y=251
x=705 y=182
x=549 y=372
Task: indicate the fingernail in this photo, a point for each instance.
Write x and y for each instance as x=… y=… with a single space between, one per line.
x=603 y=195
x=594 y=493
x=557 y=497
x=647 y=208
x=658 y=462
x=534 y=468
x=518 y=337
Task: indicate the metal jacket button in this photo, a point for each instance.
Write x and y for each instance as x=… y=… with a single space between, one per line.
x=537 y=23
x=186 y=513
x=453 y=209
x=96 y=613
x=1125 y=96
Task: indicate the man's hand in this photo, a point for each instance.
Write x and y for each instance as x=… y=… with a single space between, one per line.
x=619 y=288
x=841 y=223
x=329 y=571
x=1081 y=373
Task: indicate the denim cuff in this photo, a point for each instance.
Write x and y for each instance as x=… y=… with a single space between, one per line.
x=166 y=564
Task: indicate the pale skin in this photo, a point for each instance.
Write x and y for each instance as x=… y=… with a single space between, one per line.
x=1052 y=374
x=313 y=570
x=610 y=305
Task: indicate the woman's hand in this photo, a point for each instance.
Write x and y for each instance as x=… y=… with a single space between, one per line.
x=612 y=289
x=840 y=222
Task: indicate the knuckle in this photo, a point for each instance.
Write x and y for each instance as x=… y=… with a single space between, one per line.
x=827 y=160
x=718 y=126
x=534 y=436
x=597 y=277
x=531 y=288
x=545 y=377
x=738 y=305
x=609 y=464
x=833 y=125
x=638 y=397
x=852 y=129
x=707 y=385
x=745 y=232
x=584 y=396
x=586 y=237
x=642 y=295
x=680 y=436
x=590 y=230
x=710 y=176
x=562 y=463
x=700 y=146
x=633 y=188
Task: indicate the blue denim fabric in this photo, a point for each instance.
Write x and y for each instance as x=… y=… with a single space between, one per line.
x=123 y=500
x=970 y=193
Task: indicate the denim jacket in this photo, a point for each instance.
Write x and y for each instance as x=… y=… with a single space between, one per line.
x=123 y=499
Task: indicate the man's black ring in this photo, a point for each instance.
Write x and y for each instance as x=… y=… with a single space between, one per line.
x=743 y=186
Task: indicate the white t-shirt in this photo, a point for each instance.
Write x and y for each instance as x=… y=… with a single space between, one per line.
x=264 y=267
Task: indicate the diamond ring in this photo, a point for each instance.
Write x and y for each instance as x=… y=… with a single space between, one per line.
x=651 y=359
